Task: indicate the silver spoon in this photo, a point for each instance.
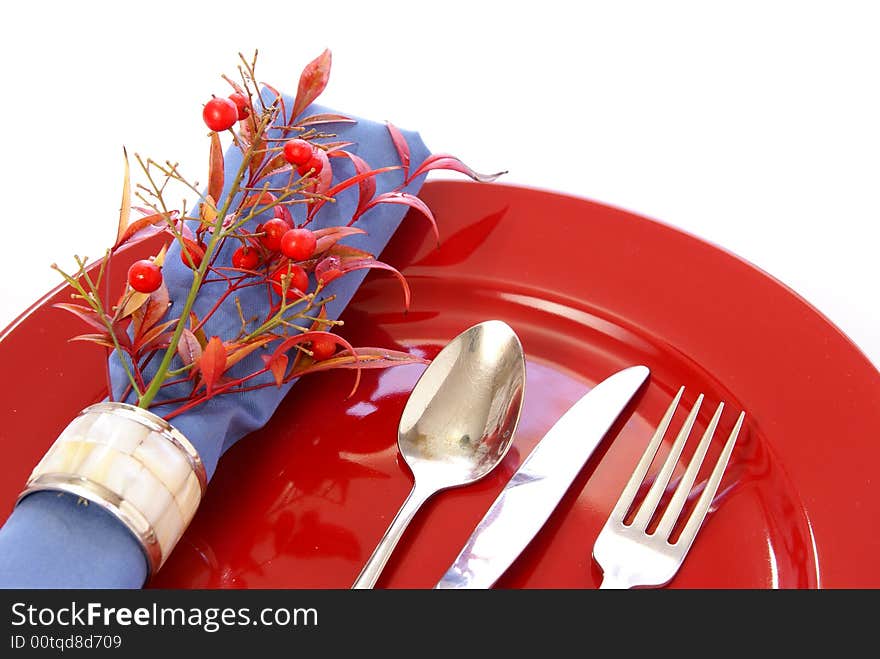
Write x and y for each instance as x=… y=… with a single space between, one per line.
x=458 y=423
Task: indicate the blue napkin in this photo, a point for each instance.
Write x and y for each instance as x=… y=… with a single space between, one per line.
x=51 y=542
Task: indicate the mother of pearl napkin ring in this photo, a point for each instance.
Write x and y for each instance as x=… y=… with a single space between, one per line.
x=133 y=464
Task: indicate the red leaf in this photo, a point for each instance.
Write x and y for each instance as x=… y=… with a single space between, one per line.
x=312 y=82
x=212 y=363
x=188 y=348
x=208 y=212
x=200 y=332
x=282 y=212
x=260 y=198
x=150 y=313
x=215 y=168
x=327 y=269
x=306 y=337
x=85 y=314
x=357 y=178
x=320 y=318
x=278 y=165
x=278 y=366
x=101 y=339
x=338 y=231
x=358 y=358
x=246 y=130
x=161 y=342
x=347 y=251
x=401 y=146
x=366 y=187
x=446 y=161
x=151 y=335
x=120 y=331
x=375 y=358
x=345 y=265
x=91 y=318
x=325 y=118
x=139 y=225
x=237 y=353
x=328 y=237
x=257 y=142
x=131 y=301
x=407 y=200
x=191 y=253
x=347 y=183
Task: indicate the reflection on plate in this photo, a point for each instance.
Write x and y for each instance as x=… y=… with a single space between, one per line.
x=590 y=290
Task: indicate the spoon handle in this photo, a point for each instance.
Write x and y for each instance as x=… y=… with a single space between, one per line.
x=371 y=571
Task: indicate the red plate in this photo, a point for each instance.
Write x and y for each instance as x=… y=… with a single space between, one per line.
x=589 y=289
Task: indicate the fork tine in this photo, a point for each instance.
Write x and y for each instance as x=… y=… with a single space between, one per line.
x=632 y=486
x=649 y=505
x=699 y=513
x=673 y=509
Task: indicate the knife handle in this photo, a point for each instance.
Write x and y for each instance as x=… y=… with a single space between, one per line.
x=376 y=563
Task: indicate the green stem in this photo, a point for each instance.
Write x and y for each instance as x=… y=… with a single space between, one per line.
x=121 y=353
x=216 y=237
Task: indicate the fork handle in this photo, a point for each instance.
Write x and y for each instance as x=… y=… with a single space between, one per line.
x=376 y=563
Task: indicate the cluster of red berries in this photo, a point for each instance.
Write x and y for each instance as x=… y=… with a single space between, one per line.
x=278 y=235
x=296 y=244
x=222 y=113
x=304 y=156
x=145 y=276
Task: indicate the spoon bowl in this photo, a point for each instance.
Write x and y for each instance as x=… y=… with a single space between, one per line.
x=458 y=423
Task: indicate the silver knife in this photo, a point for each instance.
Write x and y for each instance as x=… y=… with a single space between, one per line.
x=533 y=492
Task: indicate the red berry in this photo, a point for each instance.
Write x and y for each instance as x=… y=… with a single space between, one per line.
x=297 y=152
x=245 y=258
x=273 y=230
x=220 y=114
x=241 y=104
x=298 y=280
x=144 y=276
x=323 y=347
x=298 y=244
x=313 y=163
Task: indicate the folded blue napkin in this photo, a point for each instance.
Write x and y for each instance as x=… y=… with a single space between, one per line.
x=51 y=542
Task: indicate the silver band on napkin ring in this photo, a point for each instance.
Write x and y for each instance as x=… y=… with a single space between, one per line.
x=133 y=464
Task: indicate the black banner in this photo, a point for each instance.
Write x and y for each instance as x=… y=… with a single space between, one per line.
x=330 y=622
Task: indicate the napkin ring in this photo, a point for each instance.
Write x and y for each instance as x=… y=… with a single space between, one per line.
x=133 y=464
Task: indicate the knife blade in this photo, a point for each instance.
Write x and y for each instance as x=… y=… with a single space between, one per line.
x=535 y=489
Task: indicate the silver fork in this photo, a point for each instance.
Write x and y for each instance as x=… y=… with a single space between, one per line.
x=630 y=556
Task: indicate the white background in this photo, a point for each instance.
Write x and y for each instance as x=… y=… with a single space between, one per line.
x=755 y=125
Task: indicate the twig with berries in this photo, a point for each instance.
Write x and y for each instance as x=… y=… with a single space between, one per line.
x=286 y=160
